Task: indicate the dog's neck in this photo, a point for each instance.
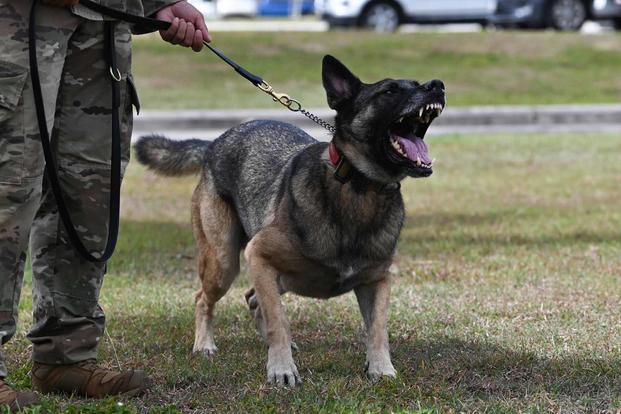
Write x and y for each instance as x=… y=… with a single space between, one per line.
x=345 y=171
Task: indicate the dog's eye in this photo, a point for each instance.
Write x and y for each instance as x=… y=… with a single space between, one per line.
x=391 y=91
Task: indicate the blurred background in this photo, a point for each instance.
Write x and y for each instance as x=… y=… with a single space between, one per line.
x=391 y=15
x=489 y=53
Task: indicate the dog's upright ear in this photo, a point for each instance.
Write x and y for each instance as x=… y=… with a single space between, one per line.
x=340 y=84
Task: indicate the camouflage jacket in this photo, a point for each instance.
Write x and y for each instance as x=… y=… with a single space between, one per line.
x=138 y=7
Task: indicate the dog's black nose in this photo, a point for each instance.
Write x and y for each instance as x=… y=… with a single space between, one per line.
x=434 y=84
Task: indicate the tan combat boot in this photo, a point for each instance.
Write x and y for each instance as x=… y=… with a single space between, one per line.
x=87 y=379
x=15 y=400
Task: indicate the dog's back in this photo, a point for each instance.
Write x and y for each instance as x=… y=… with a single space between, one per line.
x=246 y=163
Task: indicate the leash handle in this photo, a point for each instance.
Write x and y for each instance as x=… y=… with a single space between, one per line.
x=51 y=168
x=148 y=24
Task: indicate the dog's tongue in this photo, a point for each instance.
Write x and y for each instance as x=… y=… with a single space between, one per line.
x=415 y=148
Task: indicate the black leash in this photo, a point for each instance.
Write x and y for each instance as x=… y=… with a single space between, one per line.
x=50 y=163
x=147 y=24
x=143 y=24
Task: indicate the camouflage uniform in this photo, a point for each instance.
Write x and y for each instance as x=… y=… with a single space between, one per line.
x=68 y=322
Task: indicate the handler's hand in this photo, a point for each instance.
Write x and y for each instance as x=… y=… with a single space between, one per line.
x=188 y=25
x=61 y=3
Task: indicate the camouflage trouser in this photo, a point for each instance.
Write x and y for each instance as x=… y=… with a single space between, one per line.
x=68 y=321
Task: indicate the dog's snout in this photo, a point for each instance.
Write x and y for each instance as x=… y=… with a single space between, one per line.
x=435 y=84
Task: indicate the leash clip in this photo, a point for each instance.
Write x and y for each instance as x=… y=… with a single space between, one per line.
x=281 y=98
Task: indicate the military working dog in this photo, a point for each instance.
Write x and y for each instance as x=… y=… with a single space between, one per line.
x=315 y=219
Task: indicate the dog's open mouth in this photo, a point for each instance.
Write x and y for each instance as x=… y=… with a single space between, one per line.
x=406 y=134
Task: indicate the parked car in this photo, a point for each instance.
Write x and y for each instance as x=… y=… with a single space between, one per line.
x=608 y=10
x=285 y=7
x=387 y=15
x=557 y=14
x=227 y=8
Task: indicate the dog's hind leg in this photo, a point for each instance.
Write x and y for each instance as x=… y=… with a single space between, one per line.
x=257 y=316
x=255 y=312
x=218 y=235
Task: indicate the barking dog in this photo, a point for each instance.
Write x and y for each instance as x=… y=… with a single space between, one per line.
x=315 y=219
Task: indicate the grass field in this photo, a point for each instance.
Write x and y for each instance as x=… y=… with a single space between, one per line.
x=506 y=300
x=494 y=68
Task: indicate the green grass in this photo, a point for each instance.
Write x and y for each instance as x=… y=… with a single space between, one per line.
x=506 y=300
x=493 y=68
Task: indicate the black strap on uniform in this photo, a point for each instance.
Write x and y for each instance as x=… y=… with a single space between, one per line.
x=50 y=163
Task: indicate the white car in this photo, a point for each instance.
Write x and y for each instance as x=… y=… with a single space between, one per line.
x=387 y=15
x=226 y=8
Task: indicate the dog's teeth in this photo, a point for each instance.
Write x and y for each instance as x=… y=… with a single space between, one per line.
x=420 y=113
x=400 y=120
x=418 y=162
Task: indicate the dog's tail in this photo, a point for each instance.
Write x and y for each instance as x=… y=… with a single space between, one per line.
x=168 y=157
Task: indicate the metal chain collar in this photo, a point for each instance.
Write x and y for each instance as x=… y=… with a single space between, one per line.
x=294 y=106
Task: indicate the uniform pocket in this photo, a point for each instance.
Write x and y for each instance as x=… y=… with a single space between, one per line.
x=12 y=81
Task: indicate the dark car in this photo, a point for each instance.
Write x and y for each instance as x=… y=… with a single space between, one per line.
x=557 y=14
x=609 y=10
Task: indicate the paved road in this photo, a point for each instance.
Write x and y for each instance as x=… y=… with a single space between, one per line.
x=209 y=124
x=322 y=135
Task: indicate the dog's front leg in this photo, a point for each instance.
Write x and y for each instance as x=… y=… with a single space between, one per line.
x=373 y=300
x=281 y=368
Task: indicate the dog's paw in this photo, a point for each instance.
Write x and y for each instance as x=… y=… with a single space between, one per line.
x=281 y=371
x=377 y=369
x=207 y=352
